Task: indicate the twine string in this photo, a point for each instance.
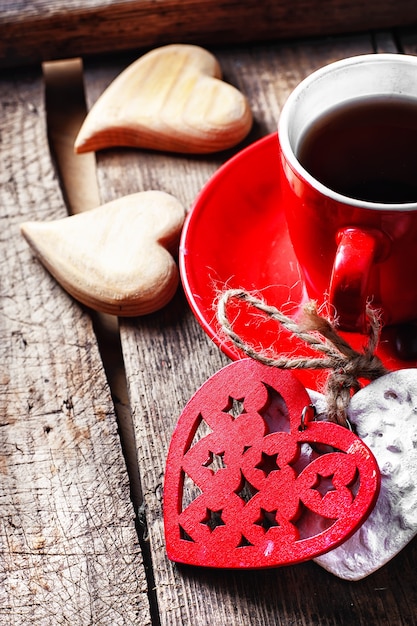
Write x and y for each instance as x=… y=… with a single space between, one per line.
x=346 y=365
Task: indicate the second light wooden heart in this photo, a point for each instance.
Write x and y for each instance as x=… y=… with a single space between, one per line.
x=173 y=99
x=116 y=258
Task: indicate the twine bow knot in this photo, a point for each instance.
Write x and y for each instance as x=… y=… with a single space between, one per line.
x=346 y=365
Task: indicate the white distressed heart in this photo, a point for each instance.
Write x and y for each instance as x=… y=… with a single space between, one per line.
x=117 y=258
x=384 y=415
x=171 y=98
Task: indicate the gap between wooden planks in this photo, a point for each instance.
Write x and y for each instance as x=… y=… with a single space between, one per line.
x=65 y=107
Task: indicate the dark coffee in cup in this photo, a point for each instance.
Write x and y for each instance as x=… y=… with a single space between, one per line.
x=365 y=149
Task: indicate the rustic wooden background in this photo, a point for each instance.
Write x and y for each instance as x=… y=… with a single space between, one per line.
x=82 y=454
x=38 y=30
x=69 y=550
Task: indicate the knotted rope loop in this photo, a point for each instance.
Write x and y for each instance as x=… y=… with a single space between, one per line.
x=347 y=366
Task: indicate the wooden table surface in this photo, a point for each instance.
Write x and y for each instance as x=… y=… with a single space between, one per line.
x=38 y=30
x=82 y=454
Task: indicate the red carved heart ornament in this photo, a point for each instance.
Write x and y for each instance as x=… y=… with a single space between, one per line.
x=252 y=481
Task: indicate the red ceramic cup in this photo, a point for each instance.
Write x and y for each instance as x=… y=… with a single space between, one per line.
x=353 y=250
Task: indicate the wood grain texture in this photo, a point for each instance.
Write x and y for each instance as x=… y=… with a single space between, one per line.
x=69 y=551
x=50 y=29
x=168 y=356
x=146 y=106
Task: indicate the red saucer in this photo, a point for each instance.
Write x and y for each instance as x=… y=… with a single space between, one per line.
x=236 y=236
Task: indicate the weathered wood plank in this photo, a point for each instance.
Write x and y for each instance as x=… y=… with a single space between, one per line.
x=407 y=39
x=167 y=357
x=49 y=29
x=69 y=551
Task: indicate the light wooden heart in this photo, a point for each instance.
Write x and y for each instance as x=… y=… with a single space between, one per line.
x=173 y=99
x=116 y=258
x=384 y=416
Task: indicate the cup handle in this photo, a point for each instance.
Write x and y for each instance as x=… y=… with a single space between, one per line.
x=357 y=251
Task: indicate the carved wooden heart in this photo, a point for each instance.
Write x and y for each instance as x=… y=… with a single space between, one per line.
x=384 y=415
x=239 y=491
x=116 y=258
x=172 y=98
